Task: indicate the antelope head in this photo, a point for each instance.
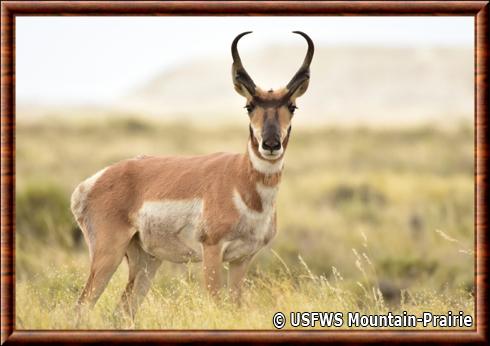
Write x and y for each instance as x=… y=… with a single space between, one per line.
x=271 y=111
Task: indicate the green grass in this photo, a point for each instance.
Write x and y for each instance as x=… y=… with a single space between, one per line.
x=389 y=210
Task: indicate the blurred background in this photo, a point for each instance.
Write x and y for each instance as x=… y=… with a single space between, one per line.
x=387 y=123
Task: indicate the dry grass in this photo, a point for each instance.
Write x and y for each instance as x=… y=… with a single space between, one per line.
x=367 y=222
x=179 y=301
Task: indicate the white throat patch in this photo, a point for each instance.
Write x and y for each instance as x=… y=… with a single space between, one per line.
x=267 y=197
x=262 y=165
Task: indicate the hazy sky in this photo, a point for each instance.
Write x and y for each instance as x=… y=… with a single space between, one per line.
x=77 y=60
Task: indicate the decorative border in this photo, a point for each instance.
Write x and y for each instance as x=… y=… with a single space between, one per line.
x=10 y=9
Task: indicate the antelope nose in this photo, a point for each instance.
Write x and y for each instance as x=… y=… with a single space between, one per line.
x=271 y=144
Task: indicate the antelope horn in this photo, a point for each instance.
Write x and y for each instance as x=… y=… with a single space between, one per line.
x=304 y=71
x=240 y=75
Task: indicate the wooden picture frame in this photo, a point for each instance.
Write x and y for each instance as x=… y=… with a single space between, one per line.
x=11 y=9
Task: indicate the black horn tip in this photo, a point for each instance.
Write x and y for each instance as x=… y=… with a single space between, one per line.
x=234 y=51
x=241 y=35
x=302 y=34
x=311 y=46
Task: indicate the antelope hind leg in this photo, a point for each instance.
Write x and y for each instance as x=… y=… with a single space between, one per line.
x=142 y=269
x=106 y=257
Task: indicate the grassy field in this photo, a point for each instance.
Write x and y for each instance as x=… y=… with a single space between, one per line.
x=369 y=220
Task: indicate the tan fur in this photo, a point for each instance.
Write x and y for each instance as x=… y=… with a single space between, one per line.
x=111 y=206
x=210 y=208
x=210 y=177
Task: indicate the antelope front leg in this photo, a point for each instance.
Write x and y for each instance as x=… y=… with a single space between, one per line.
x=212 y=262
x=238 y=270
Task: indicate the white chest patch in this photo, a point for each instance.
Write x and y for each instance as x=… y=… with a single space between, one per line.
x=267 y=196
x=254 y=228
x=168 y=229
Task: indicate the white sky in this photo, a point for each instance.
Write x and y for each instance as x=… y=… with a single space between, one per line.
x=80 y=60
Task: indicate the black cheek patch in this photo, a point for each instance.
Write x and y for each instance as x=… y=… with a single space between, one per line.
x=286 y=139
x=252 y=137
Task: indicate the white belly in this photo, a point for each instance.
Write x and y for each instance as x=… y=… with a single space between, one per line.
x=169 y=229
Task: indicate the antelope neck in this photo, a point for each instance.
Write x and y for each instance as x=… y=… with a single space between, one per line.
x=269 y=169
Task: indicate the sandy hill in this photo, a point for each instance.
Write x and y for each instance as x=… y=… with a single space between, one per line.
x=348 y=85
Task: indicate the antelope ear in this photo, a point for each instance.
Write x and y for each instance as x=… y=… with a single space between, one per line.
x=242 y=82
x=299 y=88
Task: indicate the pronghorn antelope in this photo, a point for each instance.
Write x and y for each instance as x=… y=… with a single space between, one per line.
x=213 y=208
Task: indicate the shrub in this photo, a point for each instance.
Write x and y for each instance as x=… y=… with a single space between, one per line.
x=43 y=213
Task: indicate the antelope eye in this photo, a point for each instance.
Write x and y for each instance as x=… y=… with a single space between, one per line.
x=292 y=107
x=250 y=107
